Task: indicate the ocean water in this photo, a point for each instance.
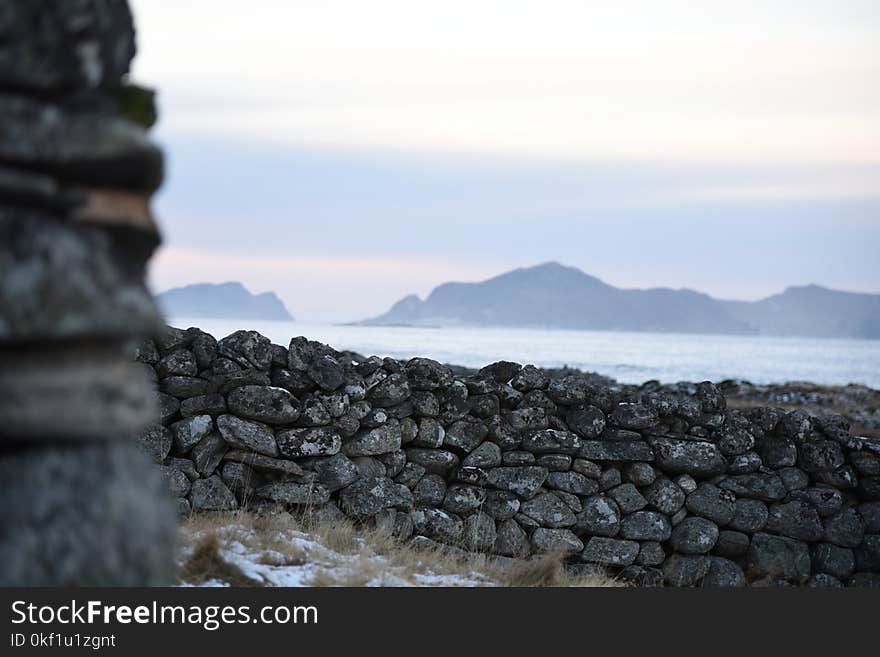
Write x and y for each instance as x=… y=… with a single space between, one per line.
x=625 y=356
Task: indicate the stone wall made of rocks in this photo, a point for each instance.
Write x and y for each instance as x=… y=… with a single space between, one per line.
x=653 y=487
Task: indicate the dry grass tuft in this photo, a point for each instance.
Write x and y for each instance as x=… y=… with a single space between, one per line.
x=207 y=563
x=546 y=570
x=359 y=554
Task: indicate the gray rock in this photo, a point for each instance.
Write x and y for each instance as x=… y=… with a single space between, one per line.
x=767 y=487
x=439 y=525
x=731 y=544
x=189 y=431
x=426 y=374
x=628 y=498
x=795 y=519
x=612 y=450
x=572 y=482
x=370 y=495
x=177 y=483
x=749 y=516
x=168 y=407
x=479 y=532
x=548 y=511
x=240 y=479
x=744 y=463
x=511 y=540
x=697 y=458
x=530 y=378
x=633 y=416
x=778 y=557
x=430 y=491
x=431 y=433
x=208 y=453
x=586 y=468
x=211 y=494
x=425 y=404
x=438 y=461
x=246 y=434
x=834 y=560
x=177 y=363
x=156 y=442
x=610 y=551
x=391 y=391
x=609 y=478
x=793 y=478
x=517 y=457
x=264 y=404
x=665 y=496
x=795 y=425
x=554 y=462
x=682 y=570
x=639 y=474
x=327 y=372
x=264 y=463
x=826 y=501
x=734 y=438
x=651 y=553
x=646 y=526
x=212 y=404
x=694 y=535
x=462 y=498
x=289 y=492
x=314 y=441
x=723 y=573
x=335 y=472
x=600 y=516
x=380 y=440
x=551 y=441
x=98 y=515
x=820 y=456
x=845 y=528
x=713 y=503
x=248 y=349
x=585 y=420
x=824 y=581
x=525 y=481
x=186 y=466
x=778 y=452
x=465 y=435
x=556 y=540
x=501 y=504
x=487 y=455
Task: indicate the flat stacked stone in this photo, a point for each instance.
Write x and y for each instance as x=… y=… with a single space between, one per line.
x=76 y=174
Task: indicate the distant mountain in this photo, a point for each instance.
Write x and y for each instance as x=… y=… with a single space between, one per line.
x=221 y=301
x=555 y=296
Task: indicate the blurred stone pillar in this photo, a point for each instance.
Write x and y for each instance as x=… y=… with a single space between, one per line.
x=80 y=504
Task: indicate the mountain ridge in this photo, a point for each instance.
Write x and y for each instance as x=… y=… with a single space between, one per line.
x=230 y=300
x=552 y=295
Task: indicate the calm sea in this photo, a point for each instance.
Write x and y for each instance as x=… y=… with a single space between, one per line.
x=627 y=357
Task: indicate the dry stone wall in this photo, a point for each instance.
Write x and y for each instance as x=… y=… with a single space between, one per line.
x=658 y=488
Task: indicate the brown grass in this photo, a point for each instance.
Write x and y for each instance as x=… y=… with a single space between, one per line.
x=206 y=563
x=360 y=554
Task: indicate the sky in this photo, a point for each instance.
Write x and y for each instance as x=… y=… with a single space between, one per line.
x=345 y=154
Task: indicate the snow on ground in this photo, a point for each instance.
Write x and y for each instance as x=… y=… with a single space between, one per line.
x=301 y=560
